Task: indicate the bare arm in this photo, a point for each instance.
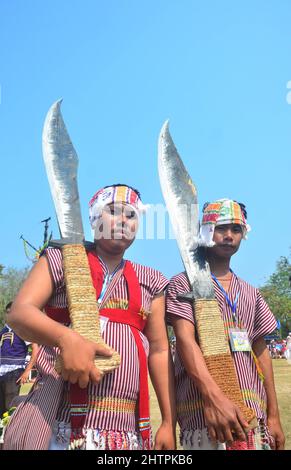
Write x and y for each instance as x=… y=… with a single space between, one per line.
x=24 y=376
x=29 y=322
x=223 y=418
x=26 y=316
x=161 y=372
x=261 y=351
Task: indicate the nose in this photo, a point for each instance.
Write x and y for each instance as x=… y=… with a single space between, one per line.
x=228 y=235
x=123 y=217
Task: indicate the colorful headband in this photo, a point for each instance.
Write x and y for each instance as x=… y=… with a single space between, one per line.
x=113 y=194
x=221 y=212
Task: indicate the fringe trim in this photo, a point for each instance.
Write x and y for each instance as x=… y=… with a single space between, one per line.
x=117 y=440
x=77 y=440
x=198 y=440
x=91 y=439
x=257 y=439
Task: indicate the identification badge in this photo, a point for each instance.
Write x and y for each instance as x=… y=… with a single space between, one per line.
x=239 y=340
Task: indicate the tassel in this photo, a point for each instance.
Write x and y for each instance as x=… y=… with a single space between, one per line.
x=249 y=444
x=238 y=445
x=77 y=440
x=79 y=407
x=144 y=428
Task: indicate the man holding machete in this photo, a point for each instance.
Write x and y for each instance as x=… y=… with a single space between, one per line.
x=247 y=319
x=225 y=394
x=76 y=409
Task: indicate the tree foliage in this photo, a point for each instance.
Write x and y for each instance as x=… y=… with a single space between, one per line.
x=10 y=282
x=277 y=293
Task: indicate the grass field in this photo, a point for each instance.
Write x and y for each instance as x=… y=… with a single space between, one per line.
x=282 y=372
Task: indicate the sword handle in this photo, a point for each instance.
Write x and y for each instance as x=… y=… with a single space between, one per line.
x=217 y=354
x=82 y=304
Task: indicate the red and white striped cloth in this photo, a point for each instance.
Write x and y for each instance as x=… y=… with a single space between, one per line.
x=112 y=415
x=253 y=314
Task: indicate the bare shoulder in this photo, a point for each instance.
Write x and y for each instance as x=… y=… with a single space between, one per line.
x=38 y=286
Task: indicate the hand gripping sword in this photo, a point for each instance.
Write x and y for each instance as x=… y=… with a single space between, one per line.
x=61 y=162
x=181 y=200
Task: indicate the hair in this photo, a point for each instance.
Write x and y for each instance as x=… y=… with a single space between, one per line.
x=241 y=205
x=120 y=184
x=243 y=209
x=8 y=305
x=205 y=206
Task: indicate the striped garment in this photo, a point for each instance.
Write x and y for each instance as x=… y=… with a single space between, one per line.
x=254 y=315
x=112 y=415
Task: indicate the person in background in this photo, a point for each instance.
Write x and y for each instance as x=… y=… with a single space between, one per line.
x=14 y=369
x=288 y=347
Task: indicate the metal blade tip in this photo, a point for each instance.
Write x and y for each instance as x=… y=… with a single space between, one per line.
x=53 y=113
x=56 y=105
x=165 y=128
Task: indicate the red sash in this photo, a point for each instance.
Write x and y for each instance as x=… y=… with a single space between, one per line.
x=132 y=317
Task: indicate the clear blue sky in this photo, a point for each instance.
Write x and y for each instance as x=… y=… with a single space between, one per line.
x=219 y=70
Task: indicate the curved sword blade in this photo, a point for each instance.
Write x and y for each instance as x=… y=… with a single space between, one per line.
x=61 y=163
x=181 y=200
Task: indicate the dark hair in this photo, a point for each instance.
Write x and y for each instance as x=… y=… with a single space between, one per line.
x=241 y=205
x=205 y=205
x=119 y=184
x=8 y=305
x=243 y=209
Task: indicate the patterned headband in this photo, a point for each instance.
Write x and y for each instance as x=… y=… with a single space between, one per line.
x=221 y=212
x=112 y=194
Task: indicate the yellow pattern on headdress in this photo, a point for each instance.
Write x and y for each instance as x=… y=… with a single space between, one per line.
x=121 y=193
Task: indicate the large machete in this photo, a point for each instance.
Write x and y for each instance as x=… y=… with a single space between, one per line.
x=61 y=162
x=181 y=200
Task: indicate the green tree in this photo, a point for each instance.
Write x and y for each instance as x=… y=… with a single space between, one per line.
x=277 y=293
x=10 y=282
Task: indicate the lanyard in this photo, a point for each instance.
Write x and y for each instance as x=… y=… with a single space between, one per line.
x=232 y=305
x=107 y=279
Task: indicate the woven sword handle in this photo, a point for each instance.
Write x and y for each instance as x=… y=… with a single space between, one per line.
x=82 y=304
x=216 y=352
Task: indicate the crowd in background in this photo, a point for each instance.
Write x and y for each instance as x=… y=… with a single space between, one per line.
x=280 y=348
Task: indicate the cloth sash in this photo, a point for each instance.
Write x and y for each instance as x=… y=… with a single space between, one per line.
x=134 y=318
x=131 y=316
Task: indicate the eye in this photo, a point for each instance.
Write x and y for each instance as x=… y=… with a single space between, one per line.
x=131 y=215
x=115 y=211
x=219 y=228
